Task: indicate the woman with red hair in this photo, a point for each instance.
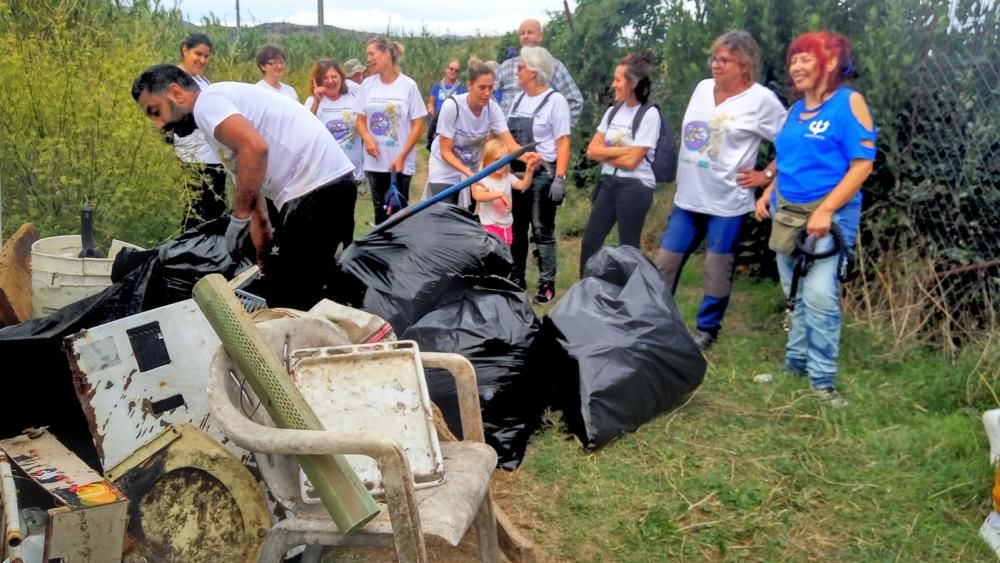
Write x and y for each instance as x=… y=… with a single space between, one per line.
x=824 y=153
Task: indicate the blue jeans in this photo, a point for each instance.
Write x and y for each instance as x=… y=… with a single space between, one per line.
x=814 y=339
x=685 y=231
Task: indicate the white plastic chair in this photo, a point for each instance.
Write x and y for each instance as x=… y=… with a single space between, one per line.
x=446 y=511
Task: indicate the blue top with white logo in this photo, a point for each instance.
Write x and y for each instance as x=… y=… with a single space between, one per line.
x=815 y=153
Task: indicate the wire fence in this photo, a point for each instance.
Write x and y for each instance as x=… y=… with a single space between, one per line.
x=931 y=251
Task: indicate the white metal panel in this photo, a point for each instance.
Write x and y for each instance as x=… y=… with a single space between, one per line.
x=378 y=388
x=137 y=375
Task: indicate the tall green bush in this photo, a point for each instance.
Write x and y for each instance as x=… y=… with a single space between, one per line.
x=70 y=133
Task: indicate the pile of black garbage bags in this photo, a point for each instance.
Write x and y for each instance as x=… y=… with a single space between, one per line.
x=612 y=354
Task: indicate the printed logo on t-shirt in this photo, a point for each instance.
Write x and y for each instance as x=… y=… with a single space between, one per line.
x=385 y=123
x=817 y=127
x=339 y=128
x=696 y=135
x=468 y=154
x=619 y=138
x=707 y=136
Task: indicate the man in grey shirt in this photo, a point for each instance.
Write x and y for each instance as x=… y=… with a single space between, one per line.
x=530 y=34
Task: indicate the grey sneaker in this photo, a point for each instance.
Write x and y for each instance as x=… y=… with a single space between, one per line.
x=703 y=339
x=832 y=397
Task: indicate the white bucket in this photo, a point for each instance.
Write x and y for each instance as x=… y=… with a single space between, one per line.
x=59 y=277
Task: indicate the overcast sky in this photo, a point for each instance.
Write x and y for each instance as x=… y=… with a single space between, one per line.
x=439 y=16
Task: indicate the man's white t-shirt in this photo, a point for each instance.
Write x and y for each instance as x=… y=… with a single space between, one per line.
x=340 y=117
x=488 y=214
x=389 y=110
x=716 y=141
x=619 y=134
x=468 y=133
x=283 y=89
x=353 y=87
x=301 y=156
x=194 y=148
x=551 y=123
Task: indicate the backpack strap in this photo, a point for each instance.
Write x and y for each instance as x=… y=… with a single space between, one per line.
x=614 y=110
x=637 y=120
x=457 y=109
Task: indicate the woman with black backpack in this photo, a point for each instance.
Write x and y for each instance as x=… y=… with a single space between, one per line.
x=539 y=114
x=625 y=145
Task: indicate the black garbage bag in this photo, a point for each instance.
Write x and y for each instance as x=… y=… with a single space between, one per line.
x=622 y=353
x=197 y=252
x=489 y=321
x=401 y=268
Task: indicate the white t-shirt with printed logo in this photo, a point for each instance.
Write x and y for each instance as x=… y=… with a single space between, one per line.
x=619 y=134
x=716 y=141
x=468 y=133
x=488 y=213
x=389 y=110
x=301 y=155
x=551 y=123
x=340 y=117
x=283 y=89
x=194 y=148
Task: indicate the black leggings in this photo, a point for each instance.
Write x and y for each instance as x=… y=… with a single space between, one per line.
x=616 y=200
x=309 y=229
x=379 y=184
x=208 y=193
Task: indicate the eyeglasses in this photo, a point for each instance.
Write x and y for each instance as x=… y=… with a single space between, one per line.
x=723 y=61
x=276 y=62
x=453 y=69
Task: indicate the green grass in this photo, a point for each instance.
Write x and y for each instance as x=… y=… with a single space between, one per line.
x=761 y=472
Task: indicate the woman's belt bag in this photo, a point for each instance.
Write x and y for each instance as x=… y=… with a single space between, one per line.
x=788 y=221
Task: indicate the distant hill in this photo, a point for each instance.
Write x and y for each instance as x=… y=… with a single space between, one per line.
x=283 y=28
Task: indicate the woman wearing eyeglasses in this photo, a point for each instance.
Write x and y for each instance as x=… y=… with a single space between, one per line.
x=445 y=88
x=271 y=61
x=726 y=119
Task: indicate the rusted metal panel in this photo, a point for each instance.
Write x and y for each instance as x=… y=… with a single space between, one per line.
x=375 y=388
x=138 y=375
x=88 y=520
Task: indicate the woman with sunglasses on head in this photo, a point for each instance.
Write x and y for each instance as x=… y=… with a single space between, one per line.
x=273 y=63
x=208 y=178
x=390 y=121
x=825 y=152
x=726 y=119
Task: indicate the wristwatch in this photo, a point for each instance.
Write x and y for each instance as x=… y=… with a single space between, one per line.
x=768 y=173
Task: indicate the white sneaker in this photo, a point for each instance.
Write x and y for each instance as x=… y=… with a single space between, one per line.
x=990 y=532
x=991 y=422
